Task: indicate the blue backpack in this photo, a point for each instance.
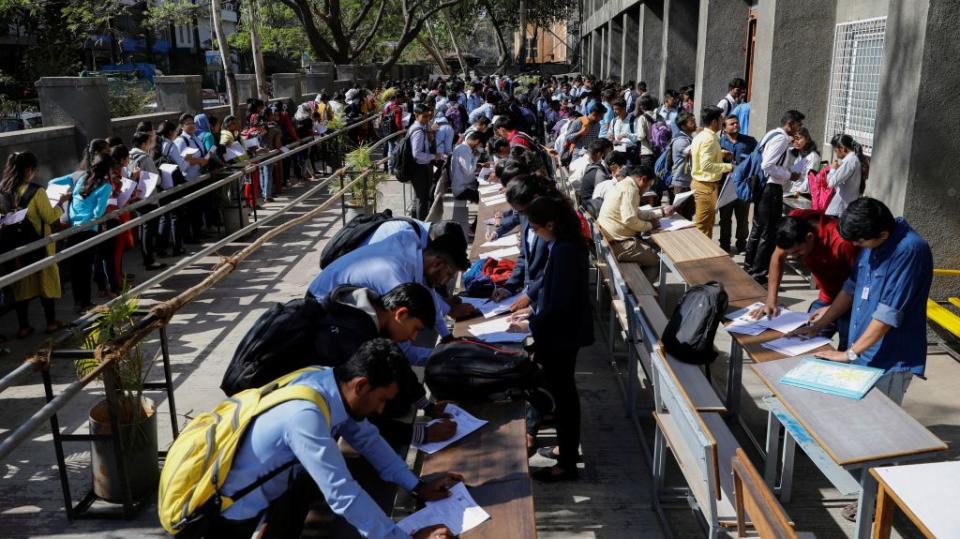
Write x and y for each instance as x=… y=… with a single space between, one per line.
x=663 y=169
x=748 y=177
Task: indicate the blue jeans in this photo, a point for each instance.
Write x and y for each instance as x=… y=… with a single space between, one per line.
x=266 y=182
x=841 y=325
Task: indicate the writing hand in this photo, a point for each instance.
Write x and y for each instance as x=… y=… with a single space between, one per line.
x=442 y=430
x=768 y=310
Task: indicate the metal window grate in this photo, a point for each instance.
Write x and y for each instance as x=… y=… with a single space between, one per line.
x=855 y=80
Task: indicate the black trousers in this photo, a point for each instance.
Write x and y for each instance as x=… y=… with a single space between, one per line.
x=81 y=269
x=149 y=232
x=23 y=318
x=559 y=366
x=741 y=211
x=422 y=182
x=763 y=235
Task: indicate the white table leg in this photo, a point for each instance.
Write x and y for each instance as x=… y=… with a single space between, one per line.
x=772 y=449
x=865 y=508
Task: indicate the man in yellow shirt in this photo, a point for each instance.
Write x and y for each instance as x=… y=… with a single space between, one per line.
x=622 y=220
x=707 y=168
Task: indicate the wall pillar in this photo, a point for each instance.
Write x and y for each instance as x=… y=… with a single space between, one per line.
x=83 y=102
x=785 y=78
x=615 y=57
x=650 y=46
x=721 y=48
x=246 y=86
x=288 y=85
x=604 y=48
x=679 y=46
x=916 y=128
x=179 y=93
x=631 y=37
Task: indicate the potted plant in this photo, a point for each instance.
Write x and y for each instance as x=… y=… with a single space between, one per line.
x=363 y=196
x=136 y=415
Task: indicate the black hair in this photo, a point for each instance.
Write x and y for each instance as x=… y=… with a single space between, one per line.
x=213 y=121
x=599 y=146
x=166 y=128
x=473 y=135
x=379 y=360
x=482 y=120
x=865 y=219
x=646 y=171
x=736 y=83
x=114 y=141
x=140 y=138
x=792 y=232
x=620 y=102
x=566 y=224
x=502 y=122
x=98 y=174
x=523 y=189
x=791 y=116
x=642 y=86
x=119 y=153
x=415 y=297
x=647 y=102
x=497 y=144
x=231 y=118
x=511 y=169
x=96 y=146
x=185 y=117
x=144 y=126
x=616 y=158
x=15 y=174
x=709 y=114
x=683 y=118
x=811 y=144
x=420 y=108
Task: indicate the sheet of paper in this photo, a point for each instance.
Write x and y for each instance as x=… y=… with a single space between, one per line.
x=743 y=323
x=681 y=198
x=851 y=381
x=55 y=191
x=127 y=189
x=795 y=346
x=147 y=185
x=494 y=200
x=505 y=241
x=492 y=221
x=669 y=224
x=252 y=142
x=189 y=152
x=489 y=308
x=490 y=189
x=14 y=217
x=166 y=175
x=745 y=328
x=284 y=149
x=620 y=148
x=459 y=512
x=786 y=322
x=502 y=253
x=485 y=171
x=728 y=193
x=646 y=207
x=234 y=151
x=495 y=330
x=466 y=424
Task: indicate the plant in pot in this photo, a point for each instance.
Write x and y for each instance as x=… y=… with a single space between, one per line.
x=135 y=414
x=363 y=196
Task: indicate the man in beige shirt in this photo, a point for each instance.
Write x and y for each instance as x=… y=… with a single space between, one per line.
x=622 y=220
x=707 y=169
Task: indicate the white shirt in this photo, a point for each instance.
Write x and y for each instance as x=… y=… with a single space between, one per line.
x=601 y=189
x=845 y=182
x=810 y=162
x=727 y=104
x=778 y=160
x=463 y=162
x=577 y=168
x=621 y=133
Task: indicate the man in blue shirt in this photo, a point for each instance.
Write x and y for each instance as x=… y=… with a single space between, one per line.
x=741 y=146
x=298 y=431
x=886 y=296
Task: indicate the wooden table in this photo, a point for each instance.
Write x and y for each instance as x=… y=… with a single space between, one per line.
x=855 y=434
x=737 y=283
x=926 y=493
x=686 y=244
x=493 y=462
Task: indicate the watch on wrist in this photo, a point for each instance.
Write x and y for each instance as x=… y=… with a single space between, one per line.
x=851 y=355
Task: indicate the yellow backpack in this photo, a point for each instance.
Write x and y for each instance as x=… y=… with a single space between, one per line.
x=200 y=459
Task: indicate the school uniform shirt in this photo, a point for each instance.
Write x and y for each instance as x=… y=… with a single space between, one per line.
x=182 y=142
x=891 y=284
x=170 y=151
x=297 y=430
x=143 y=160
x=485 y=109
x=778 y=160
x=832 y=259
x=527 y=275
x=420 y=144
x=845 y=182
x=706 y=161
x=742 y=112
x=391 y=228
x=622 y=133
x=562 y=318
x=463 y=164
x=680 y=153
x=740 y=148
x=607 y=119
x=670 y=116
x=381 y=267
x=643 y=127
x=445 y=136
x=810 y=163
x=727 y=104
x=620 y=215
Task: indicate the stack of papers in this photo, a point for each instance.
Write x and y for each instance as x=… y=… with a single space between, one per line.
x=489 y=308
x=14 y=217
x=234 y=151
x=495 y=330
x=189 y=152
x=494 y=200
x=459 y=512
x=669 y=224
x=844 y=380
x=252 y=142
x=505 y=241
x=785 y=322
x=502 y=253
x=490 y=189
x=795 y=346
x=681 y=198
x=166 y=175
x=466 y=423
x=147 y=185
x=55 y=191
x=127 y=188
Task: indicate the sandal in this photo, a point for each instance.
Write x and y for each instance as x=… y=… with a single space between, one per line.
x=56 y=326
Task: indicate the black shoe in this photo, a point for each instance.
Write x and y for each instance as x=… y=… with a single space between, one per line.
x=547 y=475
x=155 y=266
x=179 y=252
x=551 y=453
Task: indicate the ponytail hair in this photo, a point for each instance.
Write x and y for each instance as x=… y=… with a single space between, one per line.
x=848 y=142
x=15 y=172
x=566 y=223
x=98 y=174
x=523 y=189
x=96 y=146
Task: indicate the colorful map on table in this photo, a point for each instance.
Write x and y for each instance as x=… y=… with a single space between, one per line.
x=843 y=380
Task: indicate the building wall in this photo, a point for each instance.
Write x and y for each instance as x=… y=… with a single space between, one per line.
x=551 y=45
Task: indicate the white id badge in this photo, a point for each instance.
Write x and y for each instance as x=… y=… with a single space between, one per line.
x=865 y=293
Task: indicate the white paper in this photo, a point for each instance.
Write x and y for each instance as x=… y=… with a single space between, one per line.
x=284 y=149
x=234 y=151
x=495 y=330
x=494 y=200
x=166 y=175
x=252 y=142
x=669 y=224
x=147 y=185
x=502 y=253
x=505 y=241
x=620 y=148
x=189 y=152
x=485 y=171
x=126 y=191
x=743 y=323
x=646 y=207
x=112 y=202
x=795 y=346
x=489 y=308
x=55 y=191
x=681 y=198
x=728 y=193
x=466 y=424
x=459 y=512
x=13 y=218
x=491 y=221
x=786 y=322
x=745 y=329
x=490 y=189
x=739 y=314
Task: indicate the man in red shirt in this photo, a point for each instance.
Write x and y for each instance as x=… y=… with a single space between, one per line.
x=504 y=128
x=815 y=239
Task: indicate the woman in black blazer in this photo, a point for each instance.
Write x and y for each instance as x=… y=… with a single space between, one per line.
x=561 y=323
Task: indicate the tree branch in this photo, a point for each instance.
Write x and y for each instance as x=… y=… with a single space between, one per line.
x=365 y=42
x=355 y=25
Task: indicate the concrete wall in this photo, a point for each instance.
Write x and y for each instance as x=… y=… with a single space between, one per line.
x=55 y=148
x=615 y=52
x=721 y=48
x=858 y=10
x=678 y=66
x=631 y=44
x=179 y=92
x=651 y=44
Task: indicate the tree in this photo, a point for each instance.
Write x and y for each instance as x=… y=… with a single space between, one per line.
x=505 y=16
x=225 y=56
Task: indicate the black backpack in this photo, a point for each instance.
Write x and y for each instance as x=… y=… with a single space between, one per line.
x=472 y=371
x=544 y=156
x=693 y=325
x=403 y=162
x=356 y=231
x=22 y=233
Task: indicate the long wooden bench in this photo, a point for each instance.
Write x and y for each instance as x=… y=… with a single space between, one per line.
x=755 y=502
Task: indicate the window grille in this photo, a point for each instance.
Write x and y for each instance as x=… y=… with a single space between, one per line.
x=855 y=80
